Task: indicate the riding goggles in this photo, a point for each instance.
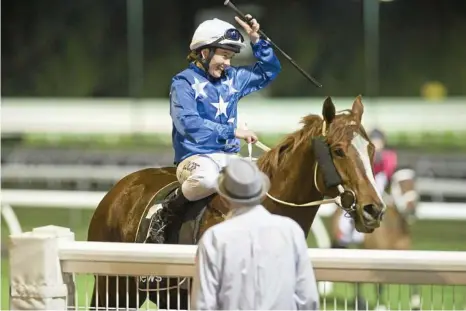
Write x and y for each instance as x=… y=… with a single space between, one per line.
x=232 y=34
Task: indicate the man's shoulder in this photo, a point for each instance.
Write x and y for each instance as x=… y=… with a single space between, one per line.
x=269 y=219
x=209 y=236
x=238 y=223
x=285 y=221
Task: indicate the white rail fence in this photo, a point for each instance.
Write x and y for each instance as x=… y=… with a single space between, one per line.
x=52 y=280
x=126 y=116
x=17 y=198
x=112 y=173
x=88 y=200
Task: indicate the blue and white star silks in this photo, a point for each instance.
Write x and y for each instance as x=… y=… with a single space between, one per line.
x=231 y=89
x=221 y=107
x=198 y=87
x=204 y=109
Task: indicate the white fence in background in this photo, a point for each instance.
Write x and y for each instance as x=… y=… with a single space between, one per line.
x=49 y=281
x=89 y=200
x=125 y=116
x=433 y=187
x=113 y=173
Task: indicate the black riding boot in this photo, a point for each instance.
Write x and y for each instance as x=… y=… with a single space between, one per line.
x=170 y=217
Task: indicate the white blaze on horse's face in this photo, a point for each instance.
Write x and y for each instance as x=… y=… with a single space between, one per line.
x=360 y=144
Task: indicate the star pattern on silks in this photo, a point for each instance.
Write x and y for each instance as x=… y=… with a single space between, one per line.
x=221 y=107
x=198 y=87
x=231 y=120
x=231 y=89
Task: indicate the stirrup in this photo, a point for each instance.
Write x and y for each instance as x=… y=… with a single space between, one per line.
x=164 y=219
x=157 y=231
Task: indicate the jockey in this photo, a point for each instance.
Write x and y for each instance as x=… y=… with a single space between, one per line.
x=203 y=107
x=385 y=164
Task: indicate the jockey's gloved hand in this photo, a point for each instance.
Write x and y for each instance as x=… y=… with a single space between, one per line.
x=247 y=135
x=251 y=28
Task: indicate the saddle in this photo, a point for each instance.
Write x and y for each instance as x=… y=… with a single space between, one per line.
x=192 y=216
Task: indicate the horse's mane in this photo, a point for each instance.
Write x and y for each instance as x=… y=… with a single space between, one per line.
x=272 y=160
x=342 y=129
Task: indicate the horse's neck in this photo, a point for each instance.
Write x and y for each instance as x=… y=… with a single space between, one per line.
x=294 y=183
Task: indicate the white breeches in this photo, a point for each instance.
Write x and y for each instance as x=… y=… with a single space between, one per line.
x=347 y=234
x=198 y=174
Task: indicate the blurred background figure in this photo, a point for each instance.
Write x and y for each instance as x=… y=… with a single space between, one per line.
x=378 y=139
x=385 y=161
x=85 y=87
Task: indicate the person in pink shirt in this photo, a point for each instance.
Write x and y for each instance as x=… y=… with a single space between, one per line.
x=385 y=161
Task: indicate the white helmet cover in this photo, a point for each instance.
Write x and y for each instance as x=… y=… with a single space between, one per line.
x=211 y=30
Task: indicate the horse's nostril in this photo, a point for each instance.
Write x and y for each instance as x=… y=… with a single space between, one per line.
x=370 y=209
x=375 y=212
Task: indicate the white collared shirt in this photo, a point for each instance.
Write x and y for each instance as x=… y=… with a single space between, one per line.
x=254 y=260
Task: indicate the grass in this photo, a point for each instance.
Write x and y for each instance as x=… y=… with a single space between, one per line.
x=427 y=235
x=428 y=141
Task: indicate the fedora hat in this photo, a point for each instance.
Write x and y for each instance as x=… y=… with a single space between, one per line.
x=242 y=182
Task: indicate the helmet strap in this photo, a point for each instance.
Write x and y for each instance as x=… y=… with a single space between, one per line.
x=206 y=62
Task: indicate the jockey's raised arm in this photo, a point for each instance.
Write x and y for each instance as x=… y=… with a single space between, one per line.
x=203 y=107
x=264 y=71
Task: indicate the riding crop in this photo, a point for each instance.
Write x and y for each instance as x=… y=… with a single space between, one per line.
x=304 y=73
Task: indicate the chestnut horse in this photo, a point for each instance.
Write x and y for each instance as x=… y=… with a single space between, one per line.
x=329 y=156
x=394 y=231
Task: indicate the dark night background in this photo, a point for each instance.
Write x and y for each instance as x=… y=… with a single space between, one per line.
x=80 y=48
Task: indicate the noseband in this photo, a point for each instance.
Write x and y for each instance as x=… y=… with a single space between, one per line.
x=346 y=198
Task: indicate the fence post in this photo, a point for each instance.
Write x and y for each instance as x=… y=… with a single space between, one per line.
x=36 y=279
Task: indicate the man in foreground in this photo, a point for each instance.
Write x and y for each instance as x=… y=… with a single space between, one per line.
x=254 y=260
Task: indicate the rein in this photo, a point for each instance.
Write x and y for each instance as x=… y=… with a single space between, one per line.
x=336 y=200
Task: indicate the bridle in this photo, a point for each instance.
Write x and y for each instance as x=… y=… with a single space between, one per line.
x=337 y=200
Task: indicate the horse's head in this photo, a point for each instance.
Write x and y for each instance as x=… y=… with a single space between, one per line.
x=403 y=192
x=345 y=155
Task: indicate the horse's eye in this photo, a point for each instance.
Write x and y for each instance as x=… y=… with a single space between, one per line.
x=339 y=153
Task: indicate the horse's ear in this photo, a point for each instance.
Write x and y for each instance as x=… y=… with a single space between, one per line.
x=358 y=108
x=328 y=110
